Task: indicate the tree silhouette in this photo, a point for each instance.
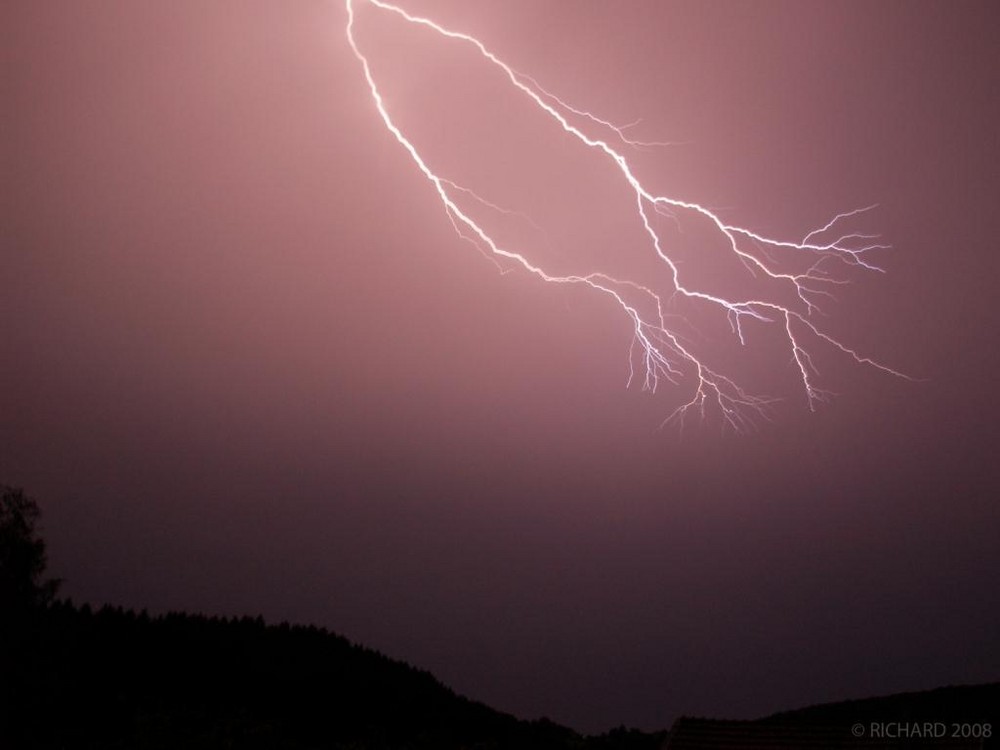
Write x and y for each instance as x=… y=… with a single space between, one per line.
x=22 y=554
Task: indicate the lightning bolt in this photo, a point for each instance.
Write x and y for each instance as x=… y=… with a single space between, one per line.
x=659 y=352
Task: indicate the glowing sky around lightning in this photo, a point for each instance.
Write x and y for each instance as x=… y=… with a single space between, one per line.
x=658 y=346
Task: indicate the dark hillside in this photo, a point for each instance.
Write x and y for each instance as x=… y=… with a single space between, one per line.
x=112 y=678
x=961 y=717
x=958 y=704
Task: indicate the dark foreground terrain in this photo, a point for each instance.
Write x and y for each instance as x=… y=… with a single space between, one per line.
x=963 y=717
x=74 y=678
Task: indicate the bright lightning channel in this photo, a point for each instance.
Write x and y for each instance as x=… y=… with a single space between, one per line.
x=660 y=351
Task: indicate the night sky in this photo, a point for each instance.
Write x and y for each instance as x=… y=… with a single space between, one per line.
x=247 y=366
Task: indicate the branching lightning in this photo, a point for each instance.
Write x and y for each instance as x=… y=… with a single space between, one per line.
x=658 y=351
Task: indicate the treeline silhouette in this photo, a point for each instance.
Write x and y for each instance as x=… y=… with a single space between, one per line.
x=71 y=677
x=115 y=678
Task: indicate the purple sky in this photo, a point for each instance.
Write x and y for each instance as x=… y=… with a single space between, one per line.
x=247 y=366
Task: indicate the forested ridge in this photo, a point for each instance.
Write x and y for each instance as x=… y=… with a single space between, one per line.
x=117 y=678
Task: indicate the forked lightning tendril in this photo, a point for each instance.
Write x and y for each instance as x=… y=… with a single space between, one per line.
x=657 y=347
